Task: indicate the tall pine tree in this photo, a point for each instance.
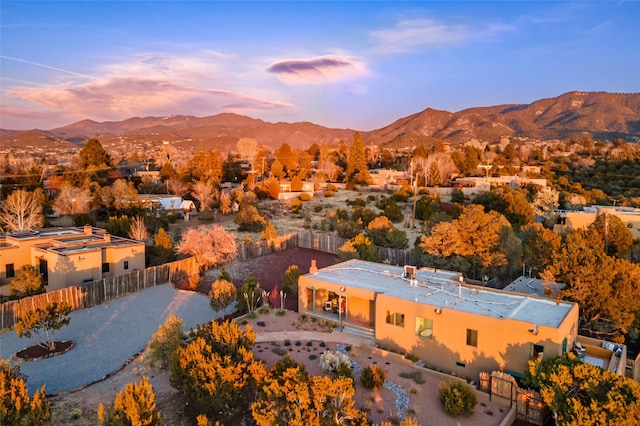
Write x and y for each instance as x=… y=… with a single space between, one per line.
x=357 y=170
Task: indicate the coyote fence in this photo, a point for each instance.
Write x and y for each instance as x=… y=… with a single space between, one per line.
x=99 y=291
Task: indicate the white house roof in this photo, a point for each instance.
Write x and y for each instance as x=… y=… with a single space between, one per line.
x=443 y=289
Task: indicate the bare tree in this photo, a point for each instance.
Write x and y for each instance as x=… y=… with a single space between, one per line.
x=247 y=148
x=208 y=246
x=204 y=192
x=71 y=200
x=176 y=186
x=138 y=230
x=225 y=202
x=21 y=211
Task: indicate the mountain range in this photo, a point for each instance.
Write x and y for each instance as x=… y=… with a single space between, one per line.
x=604 y=115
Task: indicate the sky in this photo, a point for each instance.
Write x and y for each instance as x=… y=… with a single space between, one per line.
x=359 y=65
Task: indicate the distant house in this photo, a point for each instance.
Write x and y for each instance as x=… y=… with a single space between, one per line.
x=165 y=201
x=69 y=256
x=568 y=220
x=287 y=194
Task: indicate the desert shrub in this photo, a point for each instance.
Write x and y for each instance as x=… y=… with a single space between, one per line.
x=279 y=351
x=16 y=406
x=207 y=216
x=394 y=213
x=457 y=399
x=331 y=187
x=165 y=342
x=290 y=280
x=334 y=362
x=194 y=281
x=135 y=405
x=328 y=194
x=27 y=282
x=286 y=363
x=372 y=377
x=295 y=205
x=416 y=376
x=82 y=219
x=317 y=209
x=249 y=220
x=304 y=197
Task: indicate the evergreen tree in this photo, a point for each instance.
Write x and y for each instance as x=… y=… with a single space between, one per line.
x=93 y=154
x=135 y=406
x=357 y=170
x=16 y=406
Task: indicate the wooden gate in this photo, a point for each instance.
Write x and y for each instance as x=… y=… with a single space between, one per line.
x=529 y=405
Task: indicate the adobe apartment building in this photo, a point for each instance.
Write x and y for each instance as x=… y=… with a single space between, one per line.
x=68 y=256
x=569 y=220
x=434 y=315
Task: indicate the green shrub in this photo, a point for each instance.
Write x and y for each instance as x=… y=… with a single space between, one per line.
x=165 y=342
x=457 y=399
x=317 y=209
x=372 y=377
x=416 y=376
x=279 y=351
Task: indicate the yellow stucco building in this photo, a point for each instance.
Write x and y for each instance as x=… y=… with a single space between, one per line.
x=68 y=256
x=435 y=316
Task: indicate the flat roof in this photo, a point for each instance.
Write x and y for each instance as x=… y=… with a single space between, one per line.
x=442 y=289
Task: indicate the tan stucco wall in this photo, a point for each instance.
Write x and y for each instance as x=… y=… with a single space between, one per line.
x=72 y=269
x=502 y=343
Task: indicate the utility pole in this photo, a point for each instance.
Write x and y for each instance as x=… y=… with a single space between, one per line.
x=415 y=192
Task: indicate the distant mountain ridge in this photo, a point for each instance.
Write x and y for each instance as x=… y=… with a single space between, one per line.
x=605 y=115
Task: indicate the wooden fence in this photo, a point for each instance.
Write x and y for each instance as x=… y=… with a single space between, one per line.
x=98 y=292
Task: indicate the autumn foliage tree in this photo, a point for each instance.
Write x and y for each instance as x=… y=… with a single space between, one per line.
x=606 y=288
x=217 y=371
x=583 y=394
x=476 y=243
x=43 y=322
x=16 y=406
x=134 y=406
x=294 y=398
x=209 y=246
x=27 y=282
x=222 y=294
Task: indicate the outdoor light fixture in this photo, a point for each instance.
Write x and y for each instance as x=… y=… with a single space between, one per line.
x=341 y=288
x=534 y=330
x=438 y=310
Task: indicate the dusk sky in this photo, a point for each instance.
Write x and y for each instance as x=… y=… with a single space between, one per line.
x=359 y=65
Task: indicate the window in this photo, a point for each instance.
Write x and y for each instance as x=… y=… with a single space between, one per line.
x=461 y=364
x=424 y=327
x=472 y=337
x=537 y=351
x=395 y=318
x=105 y=268
x=11 y=272
x=126 y=264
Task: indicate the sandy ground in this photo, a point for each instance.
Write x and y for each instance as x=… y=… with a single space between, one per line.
x=79 y=408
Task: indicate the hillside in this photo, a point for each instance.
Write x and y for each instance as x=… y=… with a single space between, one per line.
x=605 y=115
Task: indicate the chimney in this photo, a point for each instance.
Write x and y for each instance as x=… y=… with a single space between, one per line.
x=313 y=269
x=88 y=229
x=107 y=237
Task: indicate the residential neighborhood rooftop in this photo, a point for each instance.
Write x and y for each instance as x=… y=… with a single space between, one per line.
x=444 y=290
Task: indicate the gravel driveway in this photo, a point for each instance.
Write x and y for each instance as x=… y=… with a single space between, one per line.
x=106 y=336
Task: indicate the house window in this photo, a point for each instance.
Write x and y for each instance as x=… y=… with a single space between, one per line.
x=126 y=265
x=461 y=364
x=537 y=351
x=472 y=337
x=10 y=270
x=424 y=327
x=395 y=318
x=105 y=268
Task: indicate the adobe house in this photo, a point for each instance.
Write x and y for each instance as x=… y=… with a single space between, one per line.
x=436 y=316
x=69 y=256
